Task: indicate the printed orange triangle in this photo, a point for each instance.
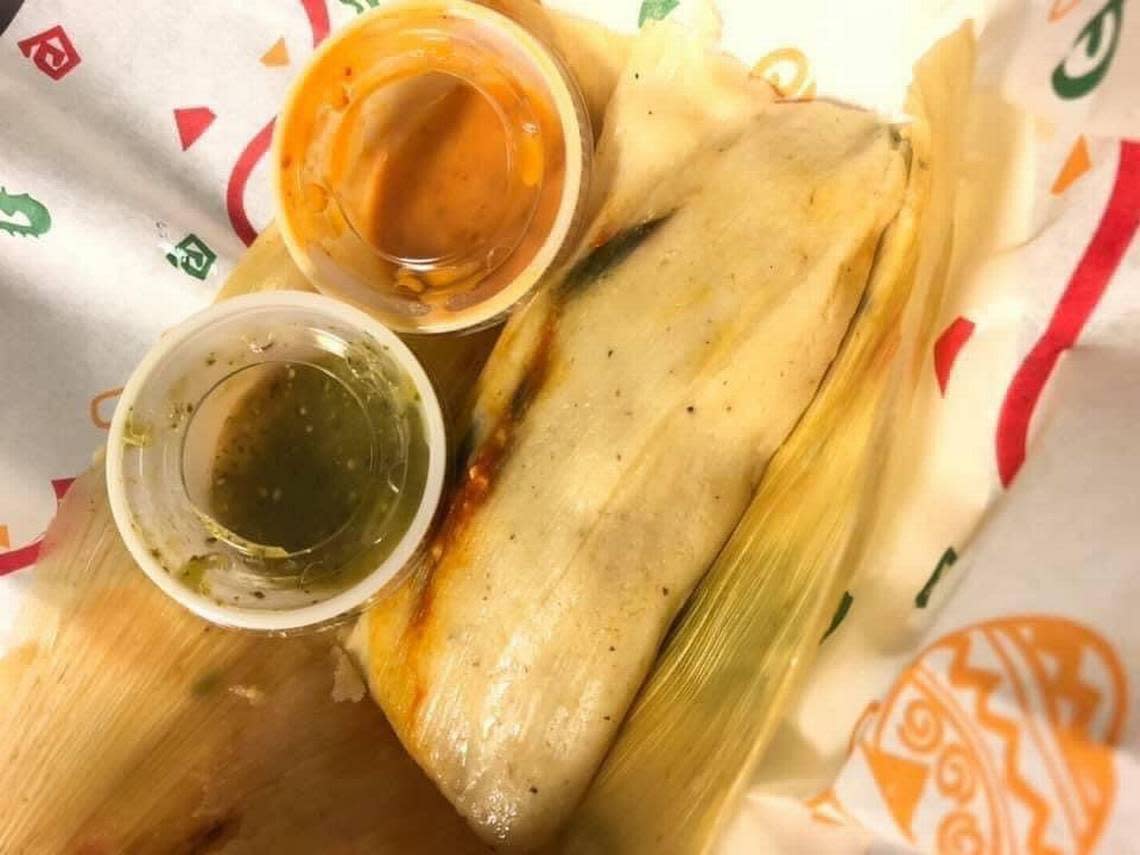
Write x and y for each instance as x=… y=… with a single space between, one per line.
x=1076 y=165
x=4 y=542
x=192 y=123
x=276 y=55
x=900 y=781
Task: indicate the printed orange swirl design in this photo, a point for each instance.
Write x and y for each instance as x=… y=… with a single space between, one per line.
x=921 y=727
x=997 y=740
x=958 y=834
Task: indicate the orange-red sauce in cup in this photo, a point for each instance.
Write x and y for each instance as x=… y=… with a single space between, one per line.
x=431 y=162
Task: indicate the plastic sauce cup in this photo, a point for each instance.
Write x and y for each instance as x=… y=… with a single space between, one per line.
x=276 y=460
x=430 y=164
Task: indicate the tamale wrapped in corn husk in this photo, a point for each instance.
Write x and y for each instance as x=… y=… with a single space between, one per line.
x=128 y=725
x=750 y=632
x=623 y=423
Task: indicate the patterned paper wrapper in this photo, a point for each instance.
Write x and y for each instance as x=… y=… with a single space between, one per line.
x=976 y=693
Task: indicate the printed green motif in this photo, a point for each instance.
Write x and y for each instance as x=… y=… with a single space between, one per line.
x=192 y=256
x=1104 y=24
x=23 y=215
x=361 y=5
x=840 y=614
x=655 y=10
x=945 y=562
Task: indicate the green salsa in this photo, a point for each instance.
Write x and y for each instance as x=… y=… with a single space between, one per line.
x=294 y=460
x=316 y=471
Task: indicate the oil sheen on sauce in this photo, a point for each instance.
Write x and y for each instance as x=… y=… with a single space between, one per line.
x=444 y=189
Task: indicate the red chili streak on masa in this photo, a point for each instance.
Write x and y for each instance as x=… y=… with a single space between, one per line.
x=318 y=15
x=1088 y=283
x=483 y=467
x=469 y=497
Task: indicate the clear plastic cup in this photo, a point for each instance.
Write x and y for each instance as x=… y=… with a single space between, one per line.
x=276 y=460
x=430 y=164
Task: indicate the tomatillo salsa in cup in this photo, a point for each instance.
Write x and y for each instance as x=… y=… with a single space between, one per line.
x=275 y=461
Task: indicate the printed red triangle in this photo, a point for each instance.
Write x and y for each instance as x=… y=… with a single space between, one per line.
x=192 y=123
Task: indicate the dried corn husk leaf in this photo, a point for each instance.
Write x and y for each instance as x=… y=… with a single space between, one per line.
x=751 y=631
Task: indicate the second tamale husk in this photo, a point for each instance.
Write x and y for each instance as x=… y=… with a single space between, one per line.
x=745 y=643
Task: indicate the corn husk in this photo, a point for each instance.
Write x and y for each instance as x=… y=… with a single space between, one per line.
x=751 y=631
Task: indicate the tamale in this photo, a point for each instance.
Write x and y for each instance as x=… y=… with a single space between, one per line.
x=746 y=640
x=621 y=427
x=127 y=725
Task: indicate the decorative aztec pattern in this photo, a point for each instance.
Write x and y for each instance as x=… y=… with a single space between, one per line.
x=998 y=739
